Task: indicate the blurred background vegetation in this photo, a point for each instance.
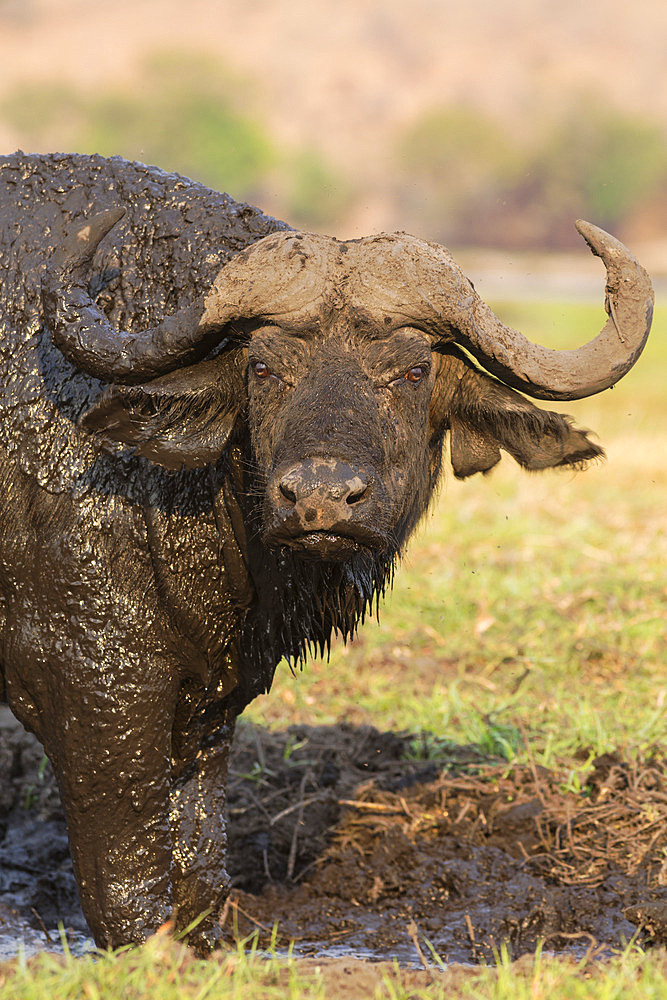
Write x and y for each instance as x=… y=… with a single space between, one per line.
x=453 y=173
x=497 y=189
x=191 y=115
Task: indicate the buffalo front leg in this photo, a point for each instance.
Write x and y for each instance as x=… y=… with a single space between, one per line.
x=110 y=750
x=199 y=834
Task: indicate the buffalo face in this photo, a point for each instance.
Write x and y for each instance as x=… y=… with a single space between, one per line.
x=338 y=417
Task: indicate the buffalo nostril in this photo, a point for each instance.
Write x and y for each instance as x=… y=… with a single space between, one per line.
x=287 y=492
x=358 y=488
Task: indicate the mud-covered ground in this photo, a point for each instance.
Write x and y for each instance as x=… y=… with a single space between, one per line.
x=374 y=844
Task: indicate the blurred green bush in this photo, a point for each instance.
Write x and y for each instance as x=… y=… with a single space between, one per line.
x=190 y=115
x=465 y=180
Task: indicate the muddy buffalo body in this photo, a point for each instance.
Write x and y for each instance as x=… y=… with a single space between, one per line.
x=217 y=435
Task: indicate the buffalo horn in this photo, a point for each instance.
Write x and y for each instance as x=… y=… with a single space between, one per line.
x=445 y=301
x=549 y=374
x=84 y=335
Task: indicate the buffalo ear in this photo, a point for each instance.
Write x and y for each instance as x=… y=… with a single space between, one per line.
x=485 y=416
x=471 y=450
x=180 y=420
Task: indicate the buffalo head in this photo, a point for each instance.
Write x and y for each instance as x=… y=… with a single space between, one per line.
x=346 y=363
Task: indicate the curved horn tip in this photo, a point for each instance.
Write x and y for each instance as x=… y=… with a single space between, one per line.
x=598 y=239
x=96 y=228
x=83 y=240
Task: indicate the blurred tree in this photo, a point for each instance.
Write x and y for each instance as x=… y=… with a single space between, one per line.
x=452 y=163
x=183 y=117
x=602 y=161
x=471 y=184
x=315 y=196
x=189 y=115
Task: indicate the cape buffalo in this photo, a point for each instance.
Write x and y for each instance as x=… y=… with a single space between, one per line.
x=217 y=435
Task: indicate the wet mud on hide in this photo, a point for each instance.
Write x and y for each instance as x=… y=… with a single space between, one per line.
x=362 y=843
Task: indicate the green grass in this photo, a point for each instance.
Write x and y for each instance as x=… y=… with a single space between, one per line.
x=165 y=970
x=528 y=618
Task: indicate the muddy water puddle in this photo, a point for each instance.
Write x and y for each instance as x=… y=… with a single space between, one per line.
x=345 y=842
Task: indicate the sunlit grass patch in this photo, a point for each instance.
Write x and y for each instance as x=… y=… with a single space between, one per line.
x=165 y=970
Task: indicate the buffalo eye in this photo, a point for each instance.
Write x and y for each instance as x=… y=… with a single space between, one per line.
x=415 y=374
x=261 y=370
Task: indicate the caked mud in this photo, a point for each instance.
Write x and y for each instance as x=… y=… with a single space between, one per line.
x=353 y=842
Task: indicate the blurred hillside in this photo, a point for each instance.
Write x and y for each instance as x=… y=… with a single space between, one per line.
x=472 y=123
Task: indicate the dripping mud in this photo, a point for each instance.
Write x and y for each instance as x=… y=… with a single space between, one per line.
x=380 y=845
